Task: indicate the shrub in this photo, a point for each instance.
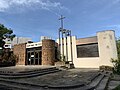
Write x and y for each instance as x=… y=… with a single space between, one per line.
x=8 y=58
x=116 y=64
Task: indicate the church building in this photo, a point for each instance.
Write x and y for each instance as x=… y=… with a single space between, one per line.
x=90 y=52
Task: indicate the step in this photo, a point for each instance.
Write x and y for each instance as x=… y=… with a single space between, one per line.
x=93 y=77
x=12 y=85
x=96 y=81
x=92 y=82
x=28 y=72
x=37 y=69
x=102 y=85
x=29 y=75
x=100 y=82
x=26 y=86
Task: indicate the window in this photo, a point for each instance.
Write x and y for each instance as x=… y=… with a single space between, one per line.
x=6 y=45
x=87 y=50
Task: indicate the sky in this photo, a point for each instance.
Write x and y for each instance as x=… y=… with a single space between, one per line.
x=36 y=18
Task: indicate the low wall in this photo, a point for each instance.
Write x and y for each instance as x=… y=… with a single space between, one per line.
x=86 y=62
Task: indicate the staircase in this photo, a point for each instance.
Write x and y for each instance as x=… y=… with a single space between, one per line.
x=28 y=74
x=98 y=81
x=64 y=65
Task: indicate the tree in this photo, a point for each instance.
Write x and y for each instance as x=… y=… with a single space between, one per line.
x=6 y=56
x=5 y=33
x=117 y=61
x=118 y=47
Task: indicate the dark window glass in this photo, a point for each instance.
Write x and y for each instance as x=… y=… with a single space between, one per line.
x=56 y=53
x=36 y=54
x=87 y=50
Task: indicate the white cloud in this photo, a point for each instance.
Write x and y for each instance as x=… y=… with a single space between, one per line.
x=117 y=26
x=6 y=5
x=3 y=5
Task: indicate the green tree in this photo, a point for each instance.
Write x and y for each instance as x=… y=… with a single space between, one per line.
x=117 y=61
x=118 y=47
x=5 y=33
x=6 y=56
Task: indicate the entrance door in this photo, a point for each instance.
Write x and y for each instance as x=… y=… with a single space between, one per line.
x=28 y=58
x=38 y=57
x=34 y=58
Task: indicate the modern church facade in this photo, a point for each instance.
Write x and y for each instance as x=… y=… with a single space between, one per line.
x=90 y=52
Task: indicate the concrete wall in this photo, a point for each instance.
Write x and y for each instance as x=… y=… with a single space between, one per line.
x=32 y=45
x=106 y=45
x=67 y=50
x=16 y=40
x=19 y=40
x=83 y=62
x=86 y=40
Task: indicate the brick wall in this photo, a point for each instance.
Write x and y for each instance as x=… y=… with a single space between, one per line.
x=20 y=51
x=48 y=52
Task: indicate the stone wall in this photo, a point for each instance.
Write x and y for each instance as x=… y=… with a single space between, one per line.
x=20 y=51
x=48 y=52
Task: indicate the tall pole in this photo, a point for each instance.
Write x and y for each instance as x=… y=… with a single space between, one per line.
x=71 y=47
x=59 y=45
x=66 y=46
x=62 y=45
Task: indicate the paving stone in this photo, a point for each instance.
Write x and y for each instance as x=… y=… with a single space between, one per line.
x=113 y=84
x=63 y=79
x=102 y=84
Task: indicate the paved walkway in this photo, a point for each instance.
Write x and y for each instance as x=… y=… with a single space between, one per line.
x=63 y=78
x=114 y=82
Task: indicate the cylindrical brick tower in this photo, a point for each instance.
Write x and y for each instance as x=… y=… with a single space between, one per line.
x=48 y=52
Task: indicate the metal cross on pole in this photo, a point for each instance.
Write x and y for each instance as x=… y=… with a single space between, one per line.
x=64 y=33
x=61 y=19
